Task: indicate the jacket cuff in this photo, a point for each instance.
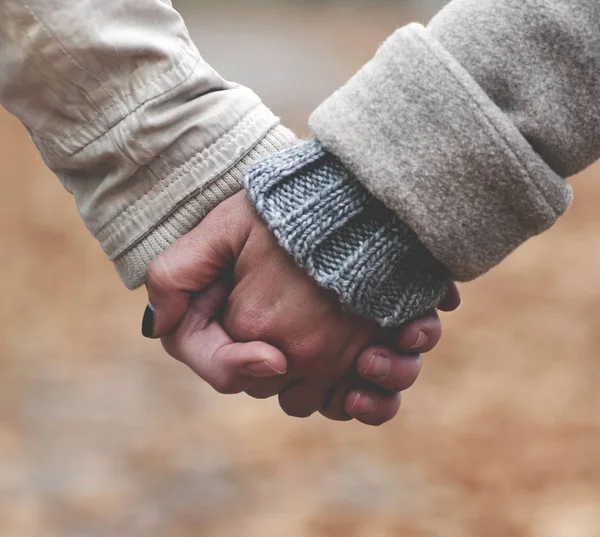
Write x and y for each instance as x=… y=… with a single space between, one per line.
x=422 y=136
x=347 y=240
x=131 y=266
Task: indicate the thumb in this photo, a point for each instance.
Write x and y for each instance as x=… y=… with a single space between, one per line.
x=200 y=342
x=191 y=264
x=452 y=299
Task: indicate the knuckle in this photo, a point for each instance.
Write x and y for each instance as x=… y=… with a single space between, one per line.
x=335 y=415
x=295 y=409
x=298 y=412
x=246 y=324
x=261 y=392
x=309 y=351
x=376 y=421
x=400 y=385
x=172 y=346
x=402 y=381
x=158 y=275
x=252 y=330
x=381 y=416
x=225 y=385
x=247 y=329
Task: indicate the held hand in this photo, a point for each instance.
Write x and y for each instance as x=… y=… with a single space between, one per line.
x=274 y=302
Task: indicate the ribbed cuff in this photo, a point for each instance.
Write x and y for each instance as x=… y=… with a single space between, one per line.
x=131 y=266
x=346 y=239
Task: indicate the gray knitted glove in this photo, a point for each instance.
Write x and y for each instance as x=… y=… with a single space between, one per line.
x=347 y=240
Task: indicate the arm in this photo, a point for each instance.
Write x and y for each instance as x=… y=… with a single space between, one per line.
x=149 y=139
x=134 y=123
x=466 y=130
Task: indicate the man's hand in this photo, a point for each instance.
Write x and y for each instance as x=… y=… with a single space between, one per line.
x=241 y=340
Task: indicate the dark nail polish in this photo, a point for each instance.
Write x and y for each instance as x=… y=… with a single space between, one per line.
x=148 y=322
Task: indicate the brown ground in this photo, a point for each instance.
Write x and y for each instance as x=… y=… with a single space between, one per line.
x=102 y=435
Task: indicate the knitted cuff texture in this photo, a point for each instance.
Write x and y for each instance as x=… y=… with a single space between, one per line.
x=345 y=238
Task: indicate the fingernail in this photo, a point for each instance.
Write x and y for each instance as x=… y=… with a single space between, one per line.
x=378 y=368
x=148 y=322
x=362 y=405
x=262 y=369
x=421 y=340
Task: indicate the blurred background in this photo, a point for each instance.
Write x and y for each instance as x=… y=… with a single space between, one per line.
x=103 y=435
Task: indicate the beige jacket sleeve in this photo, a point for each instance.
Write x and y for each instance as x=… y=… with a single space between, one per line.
x=144 y=133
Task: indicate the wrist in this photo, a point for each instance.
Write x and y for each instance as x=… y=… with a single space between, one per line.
x=131 y=265
x=345 y=238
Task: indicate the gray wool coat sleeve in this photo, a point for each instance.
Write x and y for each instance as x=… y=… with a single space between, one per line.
x=468 y=129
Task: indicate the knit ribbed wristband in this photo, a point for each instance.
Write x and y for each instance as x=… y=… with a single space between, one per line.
x=346 y=239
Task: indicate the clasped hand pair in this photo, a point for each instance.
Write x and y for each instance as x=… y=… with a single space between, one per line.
x=230 y=303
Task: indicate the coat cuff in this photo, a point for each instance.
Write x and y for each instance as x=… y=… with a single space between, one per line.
x=422 y=136
x=131 y=265
x=347 y=240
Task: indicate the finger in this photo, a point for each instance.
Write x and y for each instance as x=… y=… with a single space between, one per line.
x=269 y=387
x=389 y=370
x=420 y=335
x=333 y=409
x=189 y=265
x=201 y=343
x=452 y=299
x=372 y=408
x=235 y=367
x=302 y=399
